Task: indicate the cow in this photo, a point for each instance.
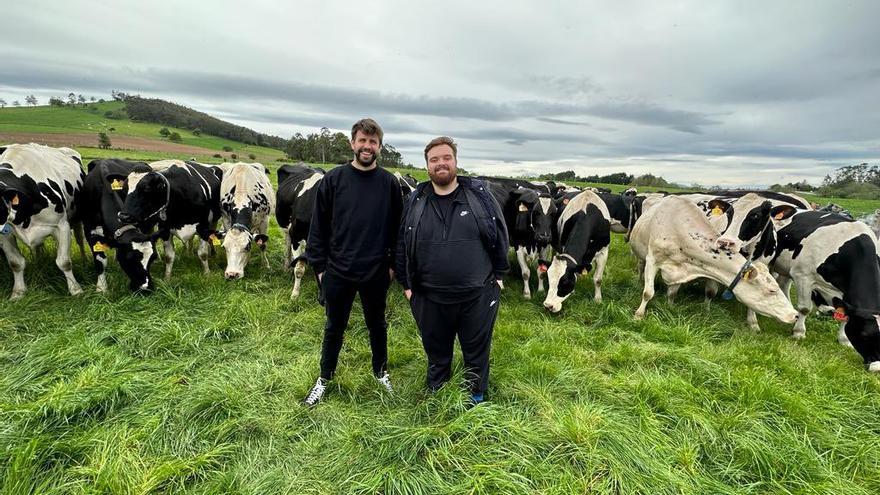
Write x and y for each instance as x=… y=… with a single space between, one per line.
x=39 y=186
x=530 y=216
x=835 y=262
x=675 y=238
x=103 y=195
x=407 y=183
x=247 y=199
x=620 y=207
x=873 y=221
x=297 y=189
x=182 y=199
x=584 y=237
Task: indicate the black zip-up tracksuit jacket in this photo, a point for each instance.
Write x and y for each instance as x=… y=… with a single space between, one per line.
x=456 y=253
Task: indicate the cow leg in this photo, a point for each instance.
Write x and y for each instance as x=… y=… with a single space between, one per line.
x=204 y=252
x=169 y=256
x=100 y=260
x=805 y=305
x=650 y=273
x=16 y=261
x=288 y=249
x=752 y=320
x=671 y=291
x=544 y=255
x=62 y=258
x=264 y=230
x=524 y=268
x=842 y=339
x=641 y=269
x=298 y=271
x=601 y=260
x=784 y=284
x=710 y=290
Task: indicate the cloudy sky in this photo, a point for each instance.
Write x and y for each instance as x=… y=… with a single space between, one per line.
x=731 y=93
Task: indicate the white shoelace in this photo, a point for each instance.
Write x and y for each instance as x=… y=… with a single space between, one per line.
x=316 y=393
x=386 y=382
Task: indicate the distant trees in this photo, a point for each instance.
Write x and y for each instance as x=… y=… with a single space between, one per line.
x=2 y=103
x=164 y=132
x=56 y=102
x=569 y=175
x=197 y=132
x=103 y=141
x=31 y=100
x=71 y=99
x=325 y=146
x=16 y=103
x=174 y=137
x=227 y=148
x=651 y=180
x=81 y=99
x=860 y=181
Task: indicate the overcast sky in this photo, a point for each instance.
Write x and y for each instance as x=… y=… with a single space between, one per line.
x=730 y=93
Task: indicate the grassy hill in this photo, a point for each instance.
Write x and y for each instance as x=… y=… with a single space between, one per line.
x=85 y=122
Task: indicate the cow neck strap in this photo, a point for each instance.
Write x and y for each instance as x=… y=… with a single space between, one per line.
x=568 y=257
x=242 y=227
x=161 y=211
x=728 y=293
x=122 y=230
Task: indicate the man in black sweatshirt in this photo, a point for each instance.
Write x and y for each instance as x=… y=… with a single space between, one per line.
x=351 y=249
x=451 y=255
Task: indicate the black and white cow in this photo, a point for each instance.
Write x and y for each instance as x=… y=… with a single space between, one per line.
x=620 y=207
x=675 y=238
x=407 y=183
x=530 y=216
x=584 y=237
x=247 y=199
x=873 y=221
x=182 y=198
x=297 y=189
x=833 y=261
x=102 y=198
x=39 y=185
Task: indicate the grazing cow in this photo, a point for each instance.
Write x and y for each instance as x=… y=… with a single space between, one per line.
x=103 y=195
x=620 y=207
x=584 y=236
x=38 y=185
x=246 y=201
x=182 y=199
x=676 y=239
x=833 y=262
x=408 y=184
x=297 y=188
x=873 y=221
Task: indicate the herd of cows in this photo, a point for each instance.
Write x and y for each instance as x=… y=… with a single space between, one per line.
x=753 y=244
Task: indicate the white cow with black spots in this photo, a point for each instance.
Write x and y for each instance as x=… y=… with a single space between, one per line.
x=246 y=202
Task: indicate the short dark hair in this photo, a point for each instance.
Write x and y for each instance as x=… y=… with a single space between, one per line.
x=368 y=127
x=437 y=141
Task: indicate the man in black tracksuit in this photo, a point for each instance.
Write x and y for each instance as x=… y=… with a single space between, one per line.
x=451 y=255
x=351 y=245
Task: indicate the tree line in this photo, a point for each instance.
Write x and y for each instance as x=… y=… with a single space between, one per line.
x=328 y=147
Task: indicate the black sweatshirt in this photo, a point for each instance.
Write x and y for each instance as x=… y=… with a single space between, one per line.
x=355 y=222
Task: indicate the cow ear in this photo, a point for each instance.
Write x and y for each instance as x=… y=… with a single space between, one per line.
x=782 y=212
x=12 y=196
x=522 y=208
x=718 y=206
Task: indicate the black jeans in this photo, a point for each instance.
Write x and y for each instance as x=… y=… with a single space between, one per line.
x=472 y=321
x=339 y=296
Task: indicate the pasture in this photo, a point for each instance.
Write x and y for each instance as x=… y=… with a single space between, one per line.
x=197 y=388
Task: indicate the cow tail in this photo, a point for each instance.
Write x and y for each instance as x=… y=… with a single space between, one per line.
x=78 y=236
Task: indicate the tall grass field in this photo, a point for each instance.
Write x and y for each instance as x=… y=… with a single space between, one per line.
x=196 y=388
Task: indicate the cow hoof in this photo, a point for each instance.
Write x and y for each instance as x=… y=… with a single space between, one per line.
x=527 y=296
x=799 y=335
x=294 y=294
x=638 y=316
x=100 y=288
x=16 y=295
x=874 y=366
x=76 y=291
x=847 y=343
x=755 y=327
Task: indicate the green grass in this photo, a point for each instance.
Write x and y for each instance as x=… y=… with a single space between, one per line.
x=81 y=120
x=196 y=388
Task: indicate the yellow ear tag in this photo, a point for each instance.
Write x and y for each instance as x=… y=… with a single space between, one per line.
x=749 y=274
x=116 y=185
x=214 y=240
x=14 y=201
x=99 y=247
x=716 y=211
x=523 y=208
x=584 y=272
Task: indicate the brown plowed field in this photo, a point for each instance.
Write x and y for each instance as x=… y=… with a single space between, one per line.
x=119 y=142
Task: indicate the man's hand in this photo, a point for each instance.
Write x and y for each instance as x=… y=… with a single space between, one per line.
x=500 y=283
x=407 y=293
x=321 y=277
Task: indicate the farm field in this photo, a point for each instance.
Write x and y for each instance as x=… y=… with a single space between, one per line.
x=196 y=388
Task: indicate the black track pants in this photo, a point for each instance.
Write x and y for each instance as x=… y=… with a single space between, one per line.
x=339 y=297
x=472 y=321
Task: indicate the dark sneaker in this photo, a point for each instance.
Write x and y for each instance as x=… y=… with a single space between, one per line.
x=385 y=381
x=475 y=400
x=316 y=393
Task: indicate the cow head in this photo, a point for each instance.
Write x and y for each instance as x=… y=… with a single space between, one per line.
x=135 y=252
x=543 y=220
x=748 y=218
x=562 y=276
x=862 y=328
x=237 y=244
x=148 y=197
x=758 y=290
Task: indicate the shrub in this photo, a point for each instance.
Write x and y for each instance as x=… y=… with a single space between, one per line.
x=174 y=137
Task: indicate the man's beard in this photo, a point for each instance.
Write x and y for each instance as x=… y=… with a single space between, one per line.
x=445 y=180
x=373 y=156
